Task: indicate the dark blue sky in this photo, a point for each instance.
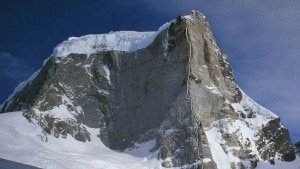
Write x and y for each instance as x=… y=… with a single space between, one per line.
x=260 y=38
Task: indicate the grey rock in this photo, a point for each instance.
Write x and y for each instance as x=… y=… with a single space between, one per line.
x=297 y=148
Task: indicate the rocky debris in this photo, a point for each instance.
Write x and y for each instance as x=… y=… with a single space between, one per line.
x=59 y=128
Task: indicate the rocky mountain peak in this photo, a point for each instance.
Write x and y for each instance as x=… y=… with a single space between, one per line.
x=174 y=86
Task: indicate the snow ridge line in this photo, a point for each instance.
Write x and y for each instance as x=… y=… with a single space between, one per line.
x=187 y=94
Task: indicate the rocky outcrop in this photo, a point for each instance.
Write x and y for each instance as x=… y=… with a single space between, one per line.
x=179 y=90
x=274 y=140
x=297 y=148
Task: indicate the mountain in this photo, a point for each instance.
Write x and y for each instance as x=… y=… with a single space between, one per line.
x=165 y=99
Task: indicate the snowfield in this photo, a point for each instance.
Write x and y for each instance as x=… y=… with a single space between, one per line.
x=21 y=142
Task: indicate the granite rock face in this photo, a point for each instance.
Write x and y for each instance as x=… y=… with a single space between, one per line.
x=179 y=90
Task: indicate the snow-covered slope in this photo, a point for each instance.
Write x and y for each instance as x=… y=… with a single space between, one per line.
x=23 y=144
x=247 y=128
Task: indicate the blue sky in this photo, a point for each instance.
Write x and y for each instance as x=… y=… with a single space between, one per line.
x=261 y=39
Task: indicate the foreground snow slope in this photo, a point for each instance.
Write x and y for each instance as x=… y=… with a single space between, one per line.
x=20 y=142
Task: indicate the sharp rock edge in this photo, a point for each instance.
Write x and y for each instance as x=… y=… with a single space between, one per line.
x=173 y=88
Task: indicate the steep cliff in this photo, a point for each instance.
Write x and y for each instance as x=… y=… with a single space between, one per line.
x=297 y=148
x=175 y=86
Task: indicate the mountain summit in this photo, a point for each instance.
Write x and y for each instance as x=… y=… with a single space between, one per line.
x=169 y=95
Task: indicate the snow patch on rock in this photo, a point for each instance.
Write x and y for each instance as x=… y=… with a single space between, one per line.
x=246 y=129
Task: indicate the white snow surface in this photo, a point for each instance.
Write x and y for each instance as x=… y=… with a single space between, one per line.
x=213 y=89
x=21 y=142
x=248 y=102
x=107 y=72
x=188 y=17
x=120 y=41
